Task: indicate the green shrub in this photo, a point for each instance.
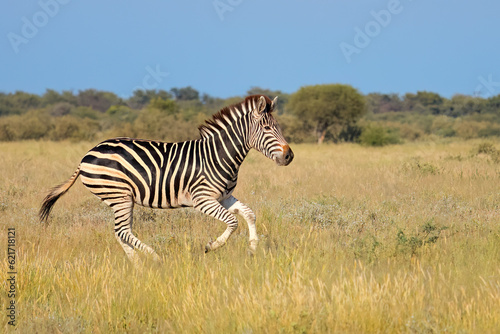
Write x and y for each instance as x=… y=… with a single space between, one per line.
x=32 y=125
x=160 y=125
x=443 y=126
x=489 y=149
x=374 y=135
x=469 y=129
x=119 y=116
x=490 y=131
x=407 y=131
x=9 y=128
x=74 y=128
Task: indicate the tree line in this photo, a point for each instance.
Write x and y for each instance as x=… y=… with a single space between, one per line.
x=333 y=112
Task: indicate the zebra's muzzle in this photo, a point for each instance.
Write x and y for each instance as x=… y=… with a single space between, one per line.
x=285 y=157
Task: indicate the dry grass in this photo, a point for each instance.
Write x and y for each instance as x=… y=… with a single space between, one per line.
x=401 y=239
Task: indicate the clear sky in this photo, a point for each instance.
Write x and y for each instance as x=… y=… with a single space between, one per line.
x=224 y=47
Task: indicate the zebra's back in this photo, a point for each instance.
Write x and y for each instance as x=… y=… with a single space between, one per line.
x=155 y=174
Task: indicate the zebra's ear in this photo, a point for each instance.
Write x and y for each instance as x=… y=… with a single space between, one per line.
x=274 y=103
x=261 y=105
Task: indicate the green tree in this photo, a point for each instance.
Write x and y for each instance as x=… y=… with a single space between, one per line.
x=60 y=109
x=381 y=103
x=211 y=103
x=51 y=97
x=161 y=120
x=185 y=94
x=122 y=114
x=424 y=102
x=493 y=104
x=18 y=103
x=461 y=105
x=141 y=98
x=97 y=100
x=328 y=108
x=165 y=106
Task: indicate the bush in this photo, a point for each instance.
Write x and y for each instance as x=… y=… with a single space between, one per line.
x=489 y=149
x=122 y=114
x=469 y=129
x=60 y=109
x=407 y=131
x=70 y=127
x=32 y=125
x=443 y=126
x=9 y=128
x=490 y=131
x=374 y=135
x=159 y=125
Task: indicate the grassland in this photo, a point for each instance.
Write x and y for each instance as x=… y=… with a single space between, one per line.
x=399 y=239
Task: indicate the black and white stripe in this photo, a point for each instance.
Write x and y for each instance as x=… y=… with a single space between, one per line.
x=200 y=173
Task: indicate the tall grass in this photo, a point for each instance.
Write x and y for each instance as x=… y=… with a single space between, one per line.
x=353 y=239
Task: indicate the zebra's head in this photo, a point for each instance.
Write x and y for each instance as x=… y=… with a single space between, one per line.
x=265 y=133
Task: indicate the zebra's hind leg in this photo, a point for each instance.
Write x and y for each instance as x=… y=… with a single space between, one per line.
x=123 y=230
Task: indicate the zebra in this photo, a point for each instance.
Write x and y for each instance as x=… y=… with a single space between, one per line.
x=200 y=173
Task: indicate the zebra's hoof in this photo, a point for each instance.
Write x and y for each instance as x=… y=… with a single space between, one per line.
x=208 y=247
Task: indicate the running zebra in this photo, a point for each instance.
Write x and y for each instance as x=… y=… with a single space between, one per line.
x=199 y=173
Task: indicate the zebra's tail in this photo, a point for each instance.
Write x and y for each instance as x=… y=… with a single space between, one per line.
x=54 y=195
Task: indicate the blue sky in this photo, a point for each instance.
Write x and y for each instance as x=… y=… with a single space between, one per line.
x=224 y=47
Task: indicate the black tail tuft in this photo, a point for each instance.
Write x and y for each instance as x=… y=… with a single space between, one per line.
x=48 y=203
x=54 y=195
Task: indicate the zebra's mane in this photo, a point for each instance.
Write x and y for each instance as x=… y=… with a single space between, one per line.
x=228 y=115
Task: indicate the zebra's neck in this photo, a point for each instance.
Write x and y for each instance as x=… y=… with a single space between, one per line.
x=228 y=147
x=235 y=116
x=227 y=135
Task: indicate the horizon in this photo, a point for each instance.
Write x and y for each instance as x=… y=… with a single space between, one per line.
x=245 y=94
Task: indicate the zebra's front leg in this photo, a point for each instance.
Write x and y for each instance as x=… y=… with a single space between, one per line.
x=214 y=209
x=236 y=207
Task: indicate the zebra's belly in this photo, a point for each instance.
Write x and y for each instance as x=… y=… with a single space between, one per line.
x=182 y=200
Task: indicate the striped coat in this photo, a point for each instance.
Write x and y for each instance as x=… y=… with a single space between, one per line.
x=200 y=173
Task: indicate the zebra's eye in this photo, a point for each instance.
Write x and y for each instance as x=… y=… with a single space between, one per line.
x=267 y=127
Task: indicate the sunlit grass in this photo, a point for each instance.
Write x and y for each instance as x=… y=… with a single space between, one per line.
x=353 y=239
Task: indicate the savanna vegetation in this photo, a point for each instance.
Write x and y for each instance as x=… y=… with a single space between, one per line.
x=331 y=113
x=354 y=239
x=400 y=234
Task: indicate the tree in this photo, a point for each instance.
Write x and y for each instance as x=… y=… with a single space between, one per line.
x=211 y=103
x=424 y=102
x=141 y=98
x=328 y=108
x=52 y=97
x=60 y=109
x=380 y=103
x=185 y=94
x=461 y=105
x=18 y=103
x=493 y=104
x=97 y=100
